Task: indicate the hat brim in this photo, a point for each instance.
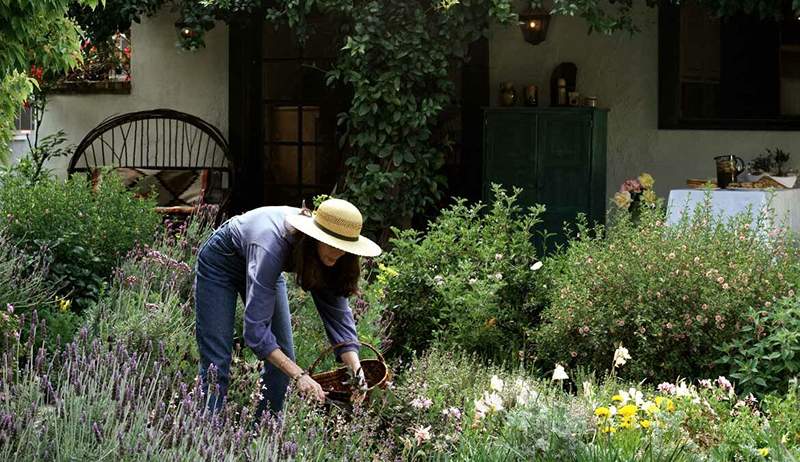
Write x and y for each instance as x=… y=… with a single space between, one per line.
x=363 y=247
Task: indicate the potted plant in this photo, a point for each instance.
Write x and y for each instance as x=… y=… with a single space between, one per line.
x=774 y=164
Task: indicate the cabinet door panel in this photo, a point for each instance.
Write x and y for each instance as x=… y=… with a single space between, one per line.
x=563 y=164
x=510 y=153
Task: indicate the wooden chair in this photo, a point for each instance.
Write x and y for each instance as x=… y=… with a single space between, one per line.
x=184 y=159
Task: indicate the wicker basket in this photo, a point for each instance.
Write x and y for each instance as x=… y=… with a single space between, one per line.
x=336 y=382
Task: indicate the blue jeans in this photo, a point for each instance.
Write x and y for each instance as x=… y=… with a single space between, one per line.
x=219 y=279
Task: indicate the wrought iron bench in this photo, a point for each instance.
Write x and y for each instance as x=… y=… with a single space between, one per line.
x=184 y=159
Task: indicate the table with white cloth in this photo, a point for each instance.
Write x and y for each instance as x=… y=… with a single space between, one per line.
x=727 y=203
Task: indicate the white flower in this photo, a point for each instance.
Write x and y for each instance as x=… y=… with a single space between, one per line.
x=636 y=396
x=472 y=281
x=621 y=356
x=481 y=409
x=493 y=401
x=438 y=280
x=498 y=256
x=682 y=389
x=587 y=390
x=496 y=383
x=498 y=276
x=525 y=395
x=421 y=403
x=537 y=266
x=612 y=410
x=705 y=383
x=422 y=434
x=559 y=373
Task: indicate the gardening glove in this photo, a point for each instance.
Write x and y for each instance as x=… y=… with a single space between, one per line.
x=309 y=387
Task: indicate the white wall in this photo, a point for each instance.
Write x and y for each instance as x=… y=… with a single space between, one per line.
x=163 y=76
x=622 y=71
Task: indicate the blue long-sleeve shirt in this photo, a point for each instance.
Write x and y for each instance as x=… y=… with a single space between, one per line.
x=263 y=239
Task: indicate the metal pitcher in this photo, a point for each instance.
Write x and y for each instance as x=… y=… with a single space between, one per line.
x=728 y=168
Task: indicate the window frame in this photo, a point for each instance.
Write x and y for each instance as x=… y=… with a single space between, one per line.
x=669 y=86
x=21 y=134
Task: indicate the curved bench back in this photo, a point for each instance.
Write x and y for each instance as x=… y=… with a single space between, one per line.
x=159 y=140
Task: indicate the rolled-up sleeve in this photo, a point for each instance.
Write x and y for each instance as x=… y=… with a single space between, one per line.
x=337 y=319
x=263 y=269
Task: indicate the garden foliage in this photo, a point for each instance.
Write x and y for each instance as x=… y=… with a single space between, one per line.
x=765 y=354
x=82 y=231
x=672 y=294
x=470 y=282
x=150 y=302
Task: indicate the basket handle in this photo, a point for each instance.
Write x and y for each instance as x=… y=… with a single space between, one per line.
x=333 y=347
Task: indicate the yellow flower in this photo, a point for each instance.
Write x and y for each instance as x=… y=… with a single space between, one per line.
x=609 y=429
x=617 y=398
x=646 y=180
x=628 y=411
x=659 y=400
x=627 y=422
x=653 y=409
x=623 y=199
x=670 y=406
x=602 y=412
x=64 y=304
x=645 y=423
x=649 y=196
x=764 y=452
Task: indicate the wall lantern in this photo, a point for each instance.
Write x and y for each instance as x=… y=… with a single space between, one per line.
x=533 y=22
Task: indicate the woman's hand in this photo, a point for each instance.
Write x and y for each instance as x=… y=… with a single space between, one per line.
x=309 y=388
x=360 y=382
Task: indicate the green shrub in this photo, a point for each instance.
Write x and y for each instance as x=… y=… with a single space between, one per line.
x=670 y=294
x=468 y=282
x=765 y=355
x=83 y=231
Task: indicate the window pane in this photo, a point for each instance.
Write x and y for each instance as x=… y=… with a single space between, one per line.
x=281 y=165
x=280 y=42
x=283 y=124
x=321 y=166
x=282 y=80
x=324 y=41
x=24 y=122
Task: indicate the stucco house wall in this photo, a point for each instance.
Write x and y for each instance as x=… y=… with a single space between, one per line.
x=622 y=71
x=163 y=76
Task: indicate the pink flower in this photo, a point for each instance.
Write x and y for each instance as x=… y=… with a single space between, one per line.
x=724 y=383
x=422 y=434
x=631 y=185
x=421 y=403
x=667 y=388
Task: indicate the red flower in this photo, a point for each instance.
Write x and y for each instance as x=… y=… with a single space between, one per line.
x=127 y=51
x=37 y=72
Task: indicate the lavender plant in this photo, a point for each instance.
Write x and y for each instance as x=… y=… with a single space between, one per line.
x=95 y=400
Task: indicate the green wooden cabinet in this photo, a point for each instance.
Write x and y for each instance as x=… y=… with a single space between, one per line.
x=557 y=155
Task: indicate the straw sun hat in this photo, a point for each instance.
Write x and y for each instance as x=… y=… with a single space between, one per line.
x=337 y=223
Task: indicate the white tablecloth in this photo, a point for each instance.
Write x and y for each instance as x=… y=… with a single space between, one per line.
x=727 y=203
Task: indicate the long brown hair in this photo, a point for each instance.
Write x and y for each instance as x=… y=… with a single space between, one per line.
x=341 y=278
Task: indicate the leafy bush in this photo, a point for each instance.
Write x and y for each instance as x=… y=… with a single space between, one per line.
x=670 y=294
x=765 y=355
x=469 y=282
x=83 y=231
